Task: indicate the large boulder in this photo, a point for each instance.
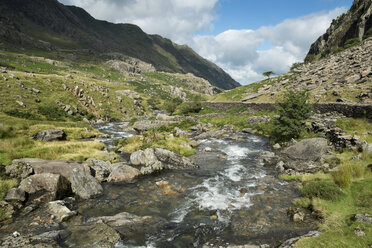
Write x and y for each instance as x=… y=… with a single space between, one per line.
x=101 y=169
x=50 y=135
x=146 y=125
x=143 y=157
x=56 y=186
x=308 y=149
x=84 y=185
x=173 y=160
x=122 y=172
x=40 y=166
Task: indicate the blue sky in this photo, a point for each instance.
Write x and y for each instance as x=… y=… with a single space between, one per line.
x=252 y=14
x=243 y=37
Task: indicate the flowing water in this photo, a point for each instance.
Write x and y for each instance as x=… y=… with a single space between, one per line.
x=229 y=199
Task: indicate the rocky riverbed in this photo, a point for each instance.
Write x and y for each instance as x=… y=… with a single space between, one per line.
x=228 y=198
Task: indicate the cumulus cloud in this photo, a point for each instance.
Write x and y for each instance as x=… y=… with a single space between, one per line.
x=244 y=54
x=238 y=51
x=174 y=19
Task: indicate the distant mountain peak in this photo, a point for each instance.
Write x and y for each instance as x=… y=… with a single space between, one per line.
x=48 y=24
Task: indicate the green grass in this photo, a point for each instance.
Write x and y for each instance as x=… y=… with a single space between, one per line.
x=156 y=139
x=359 y=127
x=238 y=121
x=17 y=142
x=337 y=228
x=338 y=208
x=5 y=185
x=326 y=190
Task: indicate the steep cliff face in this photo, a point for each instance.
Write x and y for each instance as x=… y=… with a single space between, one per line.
x=50 y=25
x=347 y=30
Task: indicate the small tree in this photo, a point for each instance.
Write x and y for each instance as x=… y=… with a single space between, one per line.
x=268 y=74
x=293 y=109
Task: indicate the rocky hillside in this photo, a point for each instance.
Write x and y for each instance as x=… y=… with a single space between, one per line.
x=47 y=25
x=347 y=30
x=342 y=77
x=336 y=69
x=37 y=88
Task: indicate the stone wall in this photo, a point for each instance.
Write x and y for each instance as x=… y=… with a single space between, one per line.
x=347 y=109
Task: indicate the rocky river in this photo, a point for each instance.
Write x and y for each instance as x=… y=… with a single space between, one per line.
x=230 y=199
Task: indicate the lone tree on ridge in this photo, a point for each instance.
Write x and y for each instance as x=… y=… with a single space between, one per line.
x=268 y=74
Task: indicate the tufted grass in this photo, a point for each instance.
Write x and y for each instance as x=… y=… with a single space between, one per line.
x=155 y=139
x=17 y=141
x=360 y=127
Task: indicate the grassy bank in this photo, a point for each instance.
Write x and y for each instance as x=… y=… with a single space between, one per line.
x=337 y=197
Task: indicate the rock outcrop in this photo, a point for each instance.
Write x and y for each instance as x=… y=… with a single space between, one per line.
x=156 y=159
x=355 y=24
x=50 y=135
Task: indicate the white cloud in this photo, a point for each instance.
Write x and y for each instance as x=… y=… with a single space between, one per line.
x=174 y=19
x=238 y=51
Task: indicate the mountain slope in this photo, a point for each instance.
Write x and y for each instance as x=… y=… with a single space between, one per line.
x=48 y=24
x=343 y=75
x=347 y=30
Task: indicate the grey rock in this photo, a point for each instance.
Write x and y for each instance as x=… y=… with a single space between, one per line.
x=291 y=242
x=152 y=168
x=249 y=130
x=19 y=169
x=55 y=185
x=36 y=90
x=164 y=117
x=268 y=158
x=309 y=149
x=127 y=223
x=101 y=169
x=40 y=166
x=16 y=194
x=123 y=219
x=122 y=172
x=97 y=235
x=211 y=134
x=50 y=135
x=143 y=157
x=173 y=160
x=57 y=235
x=146 y=125
x=252 y=96
x=29 y=241
x=367 y=218
x=84 y=185
x=21 y=104
x=60 y=211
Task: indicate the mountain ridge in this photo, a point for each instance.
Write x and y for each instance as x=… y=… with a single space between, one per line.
x=51 y=25
x=349 y=29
